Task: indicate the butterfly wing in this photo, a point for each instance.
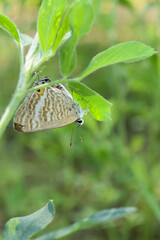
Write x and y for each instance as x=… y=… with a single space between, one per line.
x=53 y=109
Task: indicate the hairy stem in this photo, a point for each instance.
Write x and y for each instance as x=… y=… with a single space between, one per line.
x=9 y=111
x=17 y=97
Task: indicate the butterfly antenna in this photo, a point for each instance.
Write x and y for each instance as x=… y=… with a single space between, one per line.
x=78 y=133
x=36 y=74
x=72 y=135
x=79 y=123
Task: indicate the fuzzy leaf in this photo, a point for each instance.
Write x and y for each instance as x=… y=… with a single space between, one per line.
x=34 y=55
x=25 y=39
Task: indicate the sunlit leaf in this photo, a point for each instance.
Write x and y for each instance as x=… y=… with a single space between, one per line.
x=89 y=99
x=50 y=15
x=10 y=27
x=80 y=19
x=21 y=228
x=100 y=217
x=123 y=52
x=64 y=28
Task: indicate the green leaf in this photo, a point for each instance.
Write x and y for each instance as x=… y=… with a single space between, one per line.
x=89 y=99
x=63 y=30
x=100 y=217
x=10 y=27
x=127 y=4
x=34 y=55
x=123 y=52
x=21 y=228
x=50 y=15
x=80 y=19
x=25 y=39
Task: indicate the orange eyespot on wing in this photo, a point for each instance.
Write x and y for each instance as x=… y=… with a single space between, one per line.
x=40 y=91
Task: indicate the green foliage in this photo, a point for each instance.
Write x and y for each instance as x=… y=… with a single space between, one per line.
x=63 y=32
x=80 y=19
x=22 y=228
x=50 y=15
x=123 y=52
x=100 y=217
x=10 y=27
x=25 y=39
x=126 y=3
x=111 y=167
x=89 y=99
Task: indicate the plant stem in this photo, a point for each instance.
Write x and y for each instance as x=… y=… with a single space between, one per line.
x=17 y=96
x=63 y=80
x=9 y=111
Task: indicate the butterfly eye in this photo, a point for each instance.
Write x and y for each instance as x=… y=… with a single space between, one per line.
x=40 y=91
x=79 y=122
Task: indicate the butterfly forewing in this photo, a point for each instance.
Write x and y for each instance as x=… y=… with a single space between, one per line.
x=53 y=108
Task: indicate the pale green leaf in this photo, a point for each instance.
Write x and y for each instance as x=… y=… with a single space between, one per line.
x=123 y=52
x=21 y=228
x=89 y=99
x=10 y=27
x=49 y=18
x=100 y=217
x=25 y=39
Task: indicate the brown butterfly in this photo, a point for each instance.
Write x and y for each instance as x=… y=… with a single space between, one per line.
x=47 y=108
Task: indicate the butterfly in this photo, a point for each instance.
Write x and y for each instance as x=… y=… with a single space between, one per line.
x=48 y=108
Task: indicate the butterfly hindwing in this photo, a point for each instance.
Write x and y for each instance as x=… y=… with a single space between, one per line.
x=53 y=107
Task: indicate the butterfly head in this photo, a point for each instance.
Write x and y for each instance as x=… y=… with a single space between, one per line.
x=79 y=122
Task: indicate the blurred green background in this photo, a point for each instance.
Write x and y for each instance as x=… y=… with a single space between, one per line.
x=118 y=162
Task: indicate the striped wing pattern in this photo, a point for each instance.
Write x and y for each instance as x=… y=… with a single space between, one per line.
x=53 y=109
